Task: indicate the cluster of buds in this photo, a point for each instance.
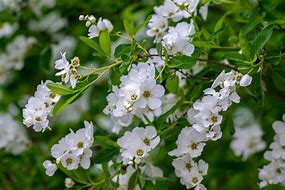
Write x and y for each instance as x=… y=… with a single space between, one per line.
x=89 y=19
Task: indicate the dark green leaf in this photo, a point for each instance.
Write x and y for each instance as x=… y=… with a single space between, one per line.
x=105 y=155
x=261 y=40
x=105 y=141
x=219 y=24
x=172 y=84
x=64 y=101
x=273 y=56
x=133 y=181
x=235 y=56
x=182 y=62
x=122 y=49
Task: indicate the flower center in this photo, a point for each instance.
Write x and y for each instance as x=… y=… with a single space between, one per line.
x=134 y=97
x=80 y=145
x=214 y=119
x=52 y=95
x=38 y=119
x=146 y=141
x=188 y=166
x=146 y=94
x=140 y=152
x=194 y=146
x=69 y=161
x=195 y=180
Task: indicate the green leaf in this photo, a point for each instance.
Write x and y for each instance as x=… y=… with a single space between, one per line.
x=219 y=24
x=172 y=84
x=122 y=49
x=105 y=142
x=91 y=43
x=60 y=89
x=133 y=181
x=182 y=62
x=79 y=90
x=243 y=42
x=105 y=43
x=129 y=27
x=261 y=40
x=235 y=56
x=63 y=102
x=86 y=81
x=273 y=56
x=105 y=155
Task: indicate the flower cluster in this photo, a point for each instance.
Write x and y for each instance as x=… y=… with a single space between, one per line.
x=12 y=136
x=68 y=71
x=205 y=114
x=12 y=58
x=176 y=39
x=274 y=172
x=138 y=94
x=247 y=139
x=96 y=27
x=39 y=107
x=135 y=145
x=206 y=119
x=190 y=172
x=72 y=150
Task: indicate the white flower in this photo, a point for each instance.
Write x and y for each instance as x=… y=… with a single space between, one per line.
x=74 y=149
x=136 y=144
x=70 y=161
x=50 y=167
x=93 y=31
x=137 y=95
x=189 y=142
x=63 y=65
x=39 y=108
x=104 y=25
x=190 y=173
x=157 y=27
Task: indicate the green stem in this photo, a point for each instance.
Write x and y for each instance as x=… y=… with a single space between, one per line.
x=103 y=68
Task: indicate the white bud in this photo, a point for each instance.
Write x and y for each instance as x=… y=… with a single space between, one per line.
x=92 y=19
x=81 y=17
x=88 y=23
x=69 y=183
x=245 y=80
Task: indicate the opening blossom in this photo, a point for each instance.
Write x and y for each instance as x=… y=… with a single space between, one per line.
x=136 y=144
x=72 y=150
x=39 y=107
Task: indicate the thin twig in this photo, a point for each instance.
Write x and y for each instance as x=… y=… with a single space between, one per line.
x=188 y=75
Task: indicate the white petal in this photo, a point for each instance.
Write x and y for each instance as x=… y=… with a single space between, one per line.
x=245 y=80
